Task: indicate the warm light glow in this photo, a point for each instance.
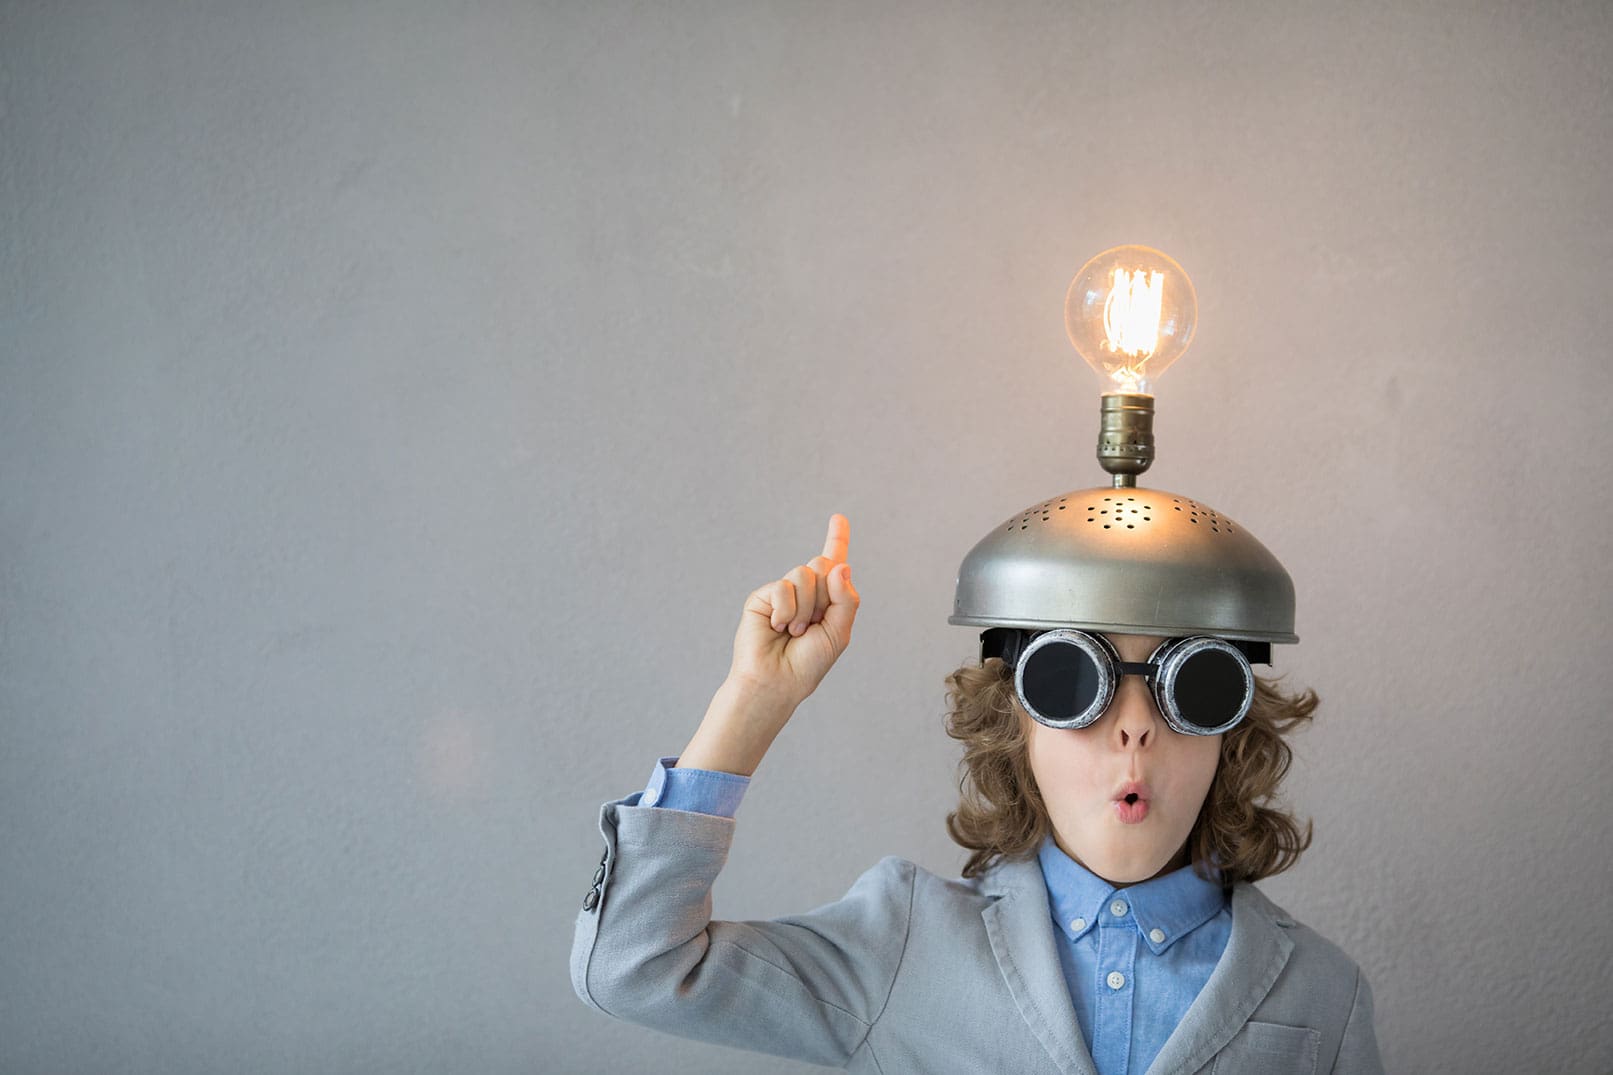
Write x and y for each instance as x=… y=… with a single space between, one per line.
x=1131 y=323
x=1130 y=313
x=1131 y=316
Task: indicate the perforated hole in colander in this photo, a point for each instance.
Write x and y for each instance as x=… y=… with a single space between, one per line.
x=1197 y=513
x=1121 y=512
x=1117 y=511
x=1043 y=511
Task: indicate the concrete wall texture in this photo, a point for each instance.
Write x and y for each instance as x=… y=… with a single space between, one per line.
x=397 y=402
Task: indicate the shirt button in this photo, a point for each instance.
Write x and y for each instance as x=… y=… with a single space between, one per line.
x=1118 y=908
x=1157 y=936
x=1078 y=925
x=1117 y=980
x=649 y=797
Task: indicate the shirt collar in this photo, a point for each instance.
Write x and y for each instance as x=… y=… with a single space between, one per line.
x=1161 y=910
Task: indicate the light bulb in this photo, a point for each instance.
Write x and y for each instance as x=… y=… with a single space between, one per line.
x=1130 y=313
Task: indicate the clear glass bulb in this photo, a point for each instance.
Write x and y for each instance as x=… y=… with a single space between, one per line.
x=1130 y=313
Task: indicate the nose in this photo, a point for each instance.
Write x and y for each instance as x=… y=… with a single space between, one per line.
x=1136 y=716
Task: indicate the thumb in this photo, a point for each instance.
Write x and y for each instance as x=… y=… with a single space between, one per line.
x=842 y=610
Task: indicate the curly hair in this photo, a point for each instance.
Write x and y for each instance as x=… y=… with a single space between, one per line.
x=1239 y=833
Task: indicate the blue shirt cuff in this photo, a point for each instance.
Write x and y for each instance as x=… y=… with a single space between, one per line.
x=699 y=791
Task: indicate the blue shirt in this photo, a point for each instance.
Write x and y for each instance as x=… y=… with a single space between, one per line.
x=699 y=791
x=1158 y=940
x=1134 y=957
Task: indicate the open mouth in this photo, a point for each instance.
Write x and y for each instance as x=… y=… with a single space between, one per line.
x=1131 y=802
x=1132 y=792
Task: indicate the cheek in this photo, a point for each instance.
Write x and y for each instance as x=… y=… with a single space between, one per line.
x=1199 y=760
x=1062 y=761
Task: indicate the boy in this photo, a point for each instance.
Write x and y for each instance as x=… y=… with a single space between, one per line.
x=1105 y=922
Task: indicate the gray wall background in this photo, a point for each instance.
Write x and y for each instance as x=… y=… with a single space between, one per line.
x=399 y=400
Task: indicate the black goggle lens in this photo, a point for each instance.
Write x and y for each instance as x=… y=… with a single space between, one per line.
x=1210 y=688
x=1203 y=685
x=1061 y=682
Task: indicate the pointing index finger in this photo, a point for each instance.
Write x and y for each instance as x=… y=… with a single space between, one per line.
x=839 y=537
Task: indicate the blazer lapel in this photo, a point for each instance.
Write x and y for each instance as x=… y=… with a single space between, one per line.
x=1257 y=951
x=1020 y=927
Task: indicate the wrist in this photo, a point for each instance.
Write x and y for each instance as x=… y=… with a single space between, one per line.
x=740 y=724
x=758 y=698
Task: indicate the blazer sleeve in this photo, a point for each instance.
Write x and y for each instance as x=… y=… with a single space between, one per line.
x=808 y=987
x=1358 y=1051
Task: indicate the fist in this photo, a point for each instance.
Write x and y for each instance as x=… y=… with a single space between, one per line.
x=793 y=629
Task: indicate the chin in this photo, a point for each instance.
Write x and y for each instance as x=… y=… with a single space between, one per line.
x=1127 y=869
x=1129 y=874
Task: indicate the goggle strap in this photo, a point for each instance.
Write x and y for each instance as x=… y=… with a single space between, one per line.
x=1253 y=652
x=1004 y=642
x=1008 y=642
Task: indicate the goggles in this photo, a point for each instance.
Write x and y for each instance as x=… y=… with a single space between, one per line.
x=1066 y=678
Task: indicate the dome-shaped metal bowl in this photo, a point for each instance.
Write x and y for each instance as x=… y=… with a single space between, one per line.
x=1129 y=561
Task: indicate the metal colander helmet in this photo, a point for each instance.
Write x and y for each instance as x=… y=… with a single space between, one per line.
x=1130 y=561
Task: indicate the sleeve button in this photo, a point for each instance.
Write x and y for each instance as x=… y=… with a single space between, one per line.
x=590 y=901
x=599 y=878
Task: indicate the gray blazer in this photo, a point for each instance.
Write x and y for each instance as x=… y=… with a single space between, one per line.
x=910 y=972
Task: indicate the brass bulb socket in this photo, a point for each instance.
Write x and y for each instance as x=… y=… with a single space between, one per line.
x=1126 y=436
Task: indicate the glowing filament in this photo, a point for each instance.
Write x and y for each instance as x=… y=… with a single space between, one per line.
x=1131 y=316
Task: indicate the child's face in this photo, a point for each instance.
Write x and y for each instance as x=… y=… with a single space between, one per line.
x=1084 y=775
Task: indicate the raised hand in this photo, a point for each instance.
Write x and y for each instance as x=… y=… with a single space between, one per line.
x=790 y=634
x=792 y=630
